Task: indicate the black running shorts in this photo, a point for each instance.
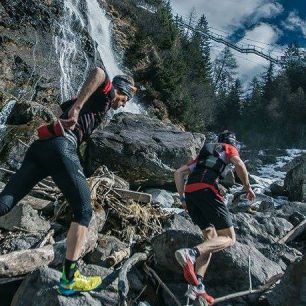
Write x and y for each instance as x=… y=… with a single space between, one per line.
x=206 y=209
x=58 y=158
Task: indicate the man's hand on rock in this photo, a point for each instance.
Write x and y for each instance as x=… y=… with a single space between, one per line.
x=73 y=116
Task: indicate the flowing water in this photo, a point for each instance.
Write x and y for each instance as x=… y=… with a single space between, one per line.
x=67 y=45
x=4 y=114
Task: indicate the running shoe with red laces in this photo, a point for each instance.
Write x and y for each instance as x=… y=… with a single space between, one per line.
x=186 y=258
x=195 y=292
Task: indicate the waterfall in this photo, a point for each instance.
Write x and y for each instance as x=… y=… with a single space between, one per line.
x=67 y=44
x=4 y=114
x=67 y=47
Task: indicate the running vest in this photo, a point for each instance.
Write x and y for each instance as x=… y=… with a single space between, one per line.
x=210 y=165
x=92 y=113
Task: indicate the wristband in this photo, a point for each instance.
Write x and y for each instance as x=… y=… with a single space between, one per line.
x=182 y=198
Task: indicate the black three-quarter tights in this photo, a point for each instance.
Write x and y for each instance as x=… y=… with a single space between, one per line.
x=58 y=158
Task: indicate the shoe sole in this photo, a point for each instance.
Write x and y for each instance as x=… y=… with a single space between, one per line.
x=180 y=258
x=188 y=269
x=70 y=292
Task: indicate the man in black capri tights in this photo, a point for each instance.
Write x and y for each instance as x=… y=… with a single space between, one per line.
x=55 y=155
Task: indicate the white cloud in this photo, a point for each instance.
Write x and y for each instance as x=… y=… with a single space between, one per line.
x=230 y=14
x=294 y=22
x=267 y=10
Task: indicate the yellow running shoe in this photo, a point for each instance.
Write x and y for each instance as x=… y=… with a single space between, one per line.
x=79 y=283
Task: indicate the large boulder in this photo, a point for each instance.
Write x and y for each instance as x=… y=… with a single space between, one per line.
x=39 y=288
x=180 y=233
x=292 y=288
x=24 y=217
x=143 y=150
x=229 y=269
x=262 y=231
x=295 y=181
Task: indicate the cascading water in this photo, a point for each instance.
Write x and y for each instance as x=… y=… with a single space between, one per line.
x=4 y=114
x=66 y=45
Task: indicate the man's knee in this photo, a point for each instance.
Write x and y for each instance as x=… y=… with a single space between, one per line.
x=210 y=233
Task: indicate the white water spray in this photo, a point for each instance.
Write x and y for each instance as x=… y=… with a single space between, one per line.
x=100 y=31
x=66 y=47
x=4 y=114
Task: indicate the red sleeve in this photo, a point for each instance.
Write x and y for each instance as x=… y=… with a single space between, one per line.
x=230 y=151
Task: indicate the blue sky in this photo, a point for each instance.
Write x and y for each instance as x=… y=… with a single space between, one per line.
x=270 y=25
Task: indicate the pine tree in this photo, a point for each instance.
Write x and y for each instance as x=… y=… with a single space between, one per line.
x=225 y=70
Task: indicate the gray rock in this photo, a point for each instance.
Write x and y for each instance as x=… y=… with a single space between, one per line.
x=228 y=180
x=262 y=231
x=292 y=288
x=165 y=245
x=295 y=181
x=229 y=268
x=296 y=218
x=277 y=188
x=291 y=207
x=142 y=150
x=39 y=288
x=162 y=197
x=23 y=113
x=25 y=217
x=182 y=223
x=106 y=246
x=22 y=242
x=260 y=228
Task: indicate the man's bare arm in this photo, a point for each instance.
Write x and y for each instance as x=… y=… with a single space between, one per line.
x=179 y=176
x=93 y=81
x=243 y=175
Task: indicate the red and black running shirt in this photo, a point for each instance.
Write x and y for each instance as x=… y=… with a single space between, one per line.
x=201 y=176
x=93 y=112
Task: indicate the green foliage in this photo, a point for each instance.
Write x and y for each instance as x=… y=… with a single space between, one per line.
x=174 y=65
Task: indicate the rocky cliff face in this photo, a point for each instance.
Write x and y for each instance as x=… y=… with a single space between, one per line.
x=36 y=39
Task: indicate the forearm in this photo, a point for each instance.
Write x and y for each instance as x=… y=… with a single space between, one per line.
x=179 y=182
x=243 y=174
x=93 y=81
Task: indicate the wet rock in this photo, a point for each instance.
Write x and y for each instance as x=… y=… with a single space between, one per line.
x=143 y=150
x=24 y=217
